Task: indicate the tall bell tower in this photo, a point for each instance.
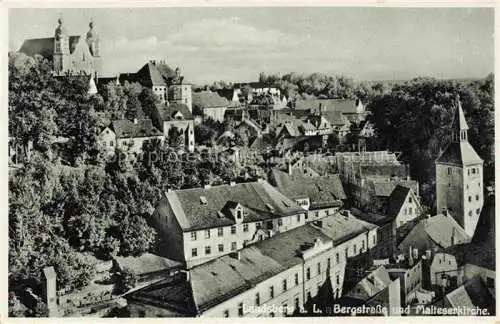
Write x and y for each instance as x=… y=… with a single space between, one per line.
x=459 y=176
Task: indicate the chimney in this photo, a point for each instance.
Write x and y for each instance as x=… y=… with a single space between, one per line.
x=236 y=255
x=410 y=256
x=415 y=254
x=428 y=254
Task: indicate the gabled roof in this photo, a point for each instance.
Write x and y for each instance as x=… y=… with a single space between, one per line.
x=45 y=46
x=146 y=263
x=208 y=99
x=336 y=118
x=340 y=228
x=436 y=231
x=384 y=188
x=461 y=153
x=155 y=74
x=322 y=191
x=261 y=200
x=371 y=284
x=168 y=112
x=125 y=128
x=397 y=200
x=473 y=293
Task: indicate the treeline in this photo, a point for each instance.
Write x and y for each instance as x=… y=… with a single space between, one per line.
x=415 y=118
x=318 y=85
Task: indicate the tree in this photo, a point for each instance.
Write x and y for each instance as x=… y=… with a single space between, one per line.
x=125 y=280
x=136 y=236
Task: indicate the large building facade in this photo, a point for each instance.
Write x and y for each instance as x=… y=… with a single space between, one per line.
x=459 y=177
x=70 y=55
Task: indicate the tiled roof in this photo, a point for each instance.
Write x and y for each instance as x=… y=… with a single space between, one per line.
x=340 y=228
x=473 y=293
x=261 y=143
x=459 y=153
x=320 y=190
x=433 y=232
x=208 y=99
x=371 y=285
x=155 y=74
x=146 y=263
x=168 y=112
x=383 y=169
x=343 y=105
x=383 y=188
x=373 y=218
x=125 y=128
x=396 y=200
x=255 y=197
x=45 y=46
x=336 y=118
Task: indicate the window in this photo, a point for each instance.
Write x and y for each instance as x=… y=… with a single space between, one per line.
x=411 y=211
x=355 y=249
x=308 y=296
x=193 y=236
x=337 y=279
x=449 y=170
x=478 y=211
x=245 y=227
x=221 y=247
x=473 y=170
x=271 y=292
x=284 y=285
x=328 y=263
x=280 y=222
x=319 y=268
x=362 y=245
x=337 y=258
x=220 y=231
x=297 y=303
x=257 y=299
x=316 y=214
x=296 y=279
x=233 y=229
x=194 y=252
x=308 y=274
x=207 y=234
x=477 y=197
x=470 y=198
x=208 y=250
x=410 y=200
x=226 y=313
x=238 y=214
x=240 y=309
x=470 y=212
x=298 y=218
x=233 y=246
x=269 y=225
x=111 y=143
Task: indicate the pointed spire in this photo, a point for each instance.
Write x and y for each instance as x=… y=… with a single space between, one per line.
x=460 y=126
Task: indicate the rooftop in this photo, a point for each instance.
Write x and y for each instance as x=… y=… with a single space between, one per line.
x=320 y=190
x=341 y=228
x=146 y=263
x=260 y=201
x=172 y=110
x=459 y=154
x=45 y=46
x=125 y=128
x=208 y=99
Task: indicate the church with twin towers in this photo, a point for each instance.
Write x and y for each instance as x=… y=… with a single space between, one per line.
x=70 y=54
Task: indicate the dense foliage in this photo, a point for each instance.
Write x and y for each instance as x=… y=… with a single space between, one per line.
x=415 y=118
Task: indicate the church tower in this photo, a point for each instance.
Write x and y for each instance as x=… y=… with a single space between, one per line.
x=459 y=176
x=61 y=49
x=179 y=91
x=92 y=40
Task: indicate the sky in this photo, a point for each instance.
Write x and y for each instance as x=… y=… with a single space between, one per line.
x=235 y=44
